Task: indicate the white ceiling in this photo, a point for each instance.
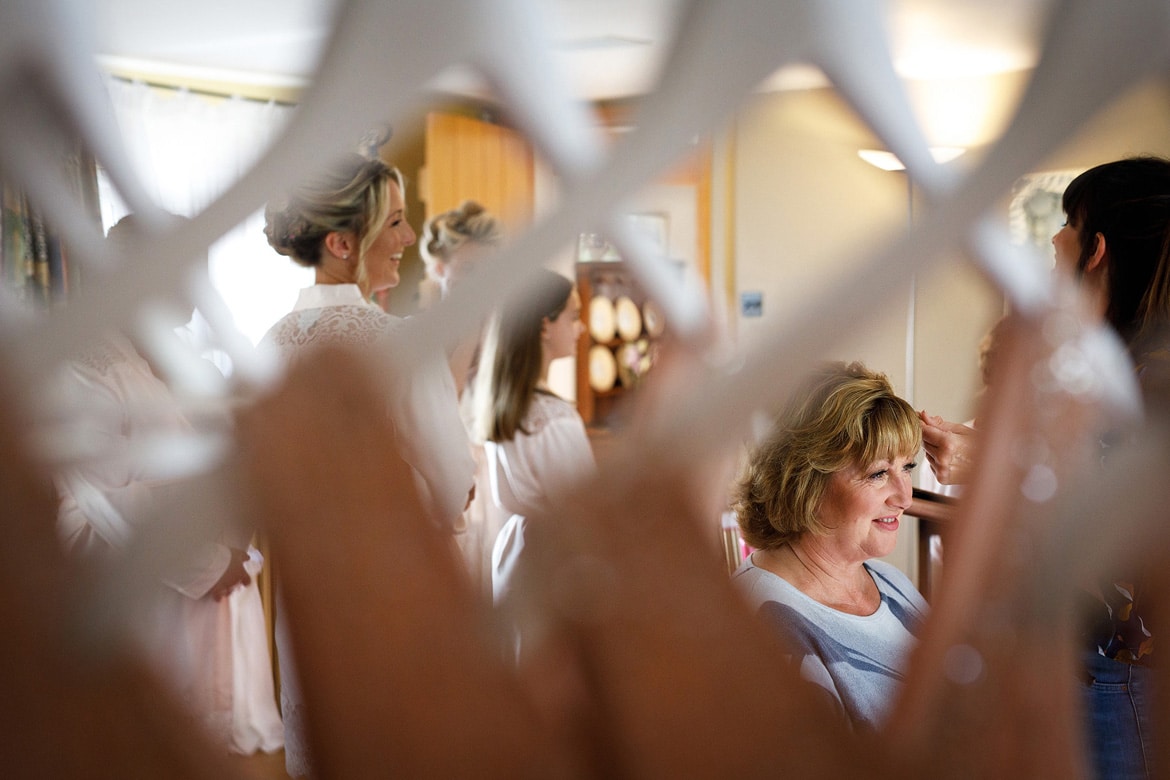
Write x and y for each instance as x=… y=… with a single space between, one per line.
x=610 y=48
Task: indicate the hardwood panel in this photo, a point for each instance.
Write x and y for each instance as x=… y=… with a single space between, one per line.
x=467 y=158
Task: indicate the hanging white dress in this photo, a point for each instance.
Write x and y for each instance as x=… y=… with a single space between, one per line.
x=213 y=653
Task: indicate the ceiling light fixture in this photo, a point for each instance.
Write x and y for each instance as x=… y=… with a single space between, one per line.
x=888 y=161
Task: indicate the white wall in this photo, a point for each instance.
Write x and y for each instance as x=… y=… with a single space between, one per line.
x=807 y=211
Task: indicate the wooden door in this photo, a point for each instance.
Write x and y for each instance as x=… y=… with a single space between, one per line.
x=469 y=159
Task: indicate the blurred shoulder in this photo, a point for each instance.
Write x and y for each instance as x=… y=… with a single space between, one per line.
x=549 y=408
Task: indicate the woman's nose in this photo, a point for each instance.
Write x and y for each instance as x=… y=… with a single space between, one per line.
x=903 y=492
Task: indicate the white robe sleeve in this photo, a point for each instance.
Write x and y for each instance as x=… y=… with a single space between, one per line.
x=105 y=500
x=433 y=440
x=528 y=472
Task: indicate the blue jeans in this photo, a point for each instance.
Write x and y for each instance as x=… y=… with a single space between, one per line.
x=1117 y=713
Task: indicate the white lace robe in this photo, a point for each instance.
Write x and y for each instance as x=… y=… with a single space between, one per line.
x=424 y=409
x=423 y=405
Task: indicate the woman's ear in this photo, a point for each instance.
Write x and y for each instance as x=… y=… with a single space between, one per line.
x=340 y=244
x=1098 y=254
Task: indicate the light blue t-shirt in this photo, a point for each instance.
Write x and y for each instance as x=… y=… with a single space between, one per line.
x=858 y=660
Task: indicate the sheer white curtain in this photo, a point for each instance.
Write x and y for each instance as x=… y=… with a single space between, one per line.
x=188 y=149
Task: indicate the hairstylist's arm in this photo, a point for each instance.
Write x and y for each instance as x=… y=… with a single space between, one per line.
x=950 y=448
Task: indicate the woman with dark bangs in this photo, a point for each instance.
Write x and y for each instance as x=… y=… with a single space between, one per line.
x=1115 y=243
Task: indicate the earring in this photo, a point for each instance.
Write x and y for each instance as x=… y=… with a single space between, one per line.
x=345 y=256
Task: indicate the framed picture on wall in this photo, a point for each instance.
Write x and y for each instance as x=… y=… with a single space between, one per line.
x=654 y=227
x=592 y=247
x=1035 y=213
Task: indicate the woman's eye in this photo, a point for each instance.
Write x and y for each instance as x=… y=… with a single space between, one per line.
x=879 y=474
x=909 y=467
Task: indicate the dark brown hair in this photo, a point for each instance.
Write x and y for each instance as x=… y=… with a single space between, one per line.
x=513 y=357
x=1128 y=202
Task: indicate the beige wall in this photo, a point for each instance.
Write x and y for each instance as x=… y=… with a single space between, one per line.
x=1137 y=122
x=808 y=210
x=794 y=207
x=805 y=209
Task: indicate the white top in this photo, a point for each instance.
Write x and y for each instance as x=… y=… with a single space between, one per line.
x=527 y=474
x=422 y=404
x=859 y=660
x=528 y=470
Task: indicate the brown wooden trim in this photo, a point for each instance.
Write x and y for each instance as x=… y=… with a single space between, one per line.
x=932 y=506
x=935 y=514
x=703 y=213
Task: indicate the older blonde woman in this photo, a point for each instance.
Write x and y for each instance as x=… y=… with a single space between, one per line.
x=821 y=499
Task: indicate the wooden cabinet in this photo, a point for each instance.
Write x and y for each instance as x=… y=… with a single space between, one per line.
x=619 y=345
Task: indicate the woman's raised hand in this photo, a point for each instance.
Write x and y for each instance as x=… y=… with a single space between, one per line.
x=950 y=449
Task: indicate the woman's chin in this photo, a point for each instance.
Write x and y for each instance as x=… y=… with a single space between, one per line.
x=386 y=284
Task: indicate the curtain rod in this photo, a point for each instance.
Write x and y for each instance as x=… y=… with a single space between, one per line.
x=207 y=91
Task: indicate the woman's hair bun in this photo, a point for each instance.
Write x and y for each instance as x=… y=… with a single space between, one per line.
x=288 y=231
x=277 y=227
x=470 y=208
x=446 y=232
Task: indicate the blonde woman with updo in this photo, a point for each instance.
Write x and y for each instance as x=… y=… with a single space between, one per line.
x=454 y=240
x=349 y=225
x=452 y=243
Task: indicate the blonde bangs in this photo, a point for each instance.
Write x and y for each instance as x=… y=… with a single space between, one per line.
x=376 y=212
x=843 y=416
x=891 y=430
